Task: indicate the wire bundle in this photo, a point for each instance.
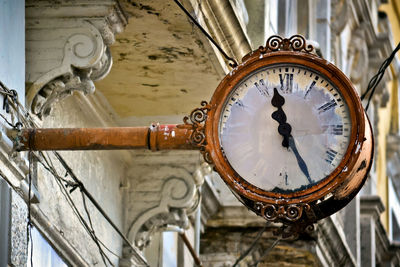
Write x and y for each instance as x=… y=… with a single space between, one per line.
x=25 y=120
x=375 y=80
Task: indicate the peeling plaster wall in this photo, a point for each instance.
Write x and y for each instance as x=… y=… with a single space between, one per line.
x=19 y=213
x=102 y=173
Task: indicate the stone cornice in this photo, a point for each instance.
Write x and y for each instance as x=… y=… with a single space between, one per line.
x=369 y=42
x=386 y=252
x=393 y=144
x=222 y=23
x=371 y=205
x=332 y=245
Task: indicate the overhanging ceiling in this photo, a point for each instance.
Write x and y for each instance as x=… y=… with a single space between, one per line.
x=163 y=66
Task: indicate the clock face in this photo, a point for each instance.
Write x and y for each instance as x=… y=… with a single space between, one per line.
x=284 y=128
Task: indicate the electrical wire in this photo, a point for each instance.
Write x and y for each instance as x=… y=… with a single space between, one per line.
x=73 y=185
x=96 y=240
x=7 y=121
x=27 y=121
x=29 y=223
x=251 y=247
x=266 y=252
x=373 y=83
x=48 y=165
x=88 y=228
x=94 y=202
x=7 y=93
x=234 y=63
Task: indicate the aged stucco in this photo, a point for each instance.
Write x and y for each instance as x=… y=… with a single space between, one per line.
x=162 y=65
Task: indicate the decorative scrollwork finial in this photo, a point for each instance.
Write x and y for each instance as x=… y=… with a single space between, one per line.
x=290 y=213
x=197 y=123
x=295 y=43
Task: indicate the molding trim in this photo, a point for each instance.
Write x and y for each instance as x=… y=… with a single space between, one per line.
x=386 y=252
x=220 y=20
x=332 y=245
x=56 y=239
x=371 y=205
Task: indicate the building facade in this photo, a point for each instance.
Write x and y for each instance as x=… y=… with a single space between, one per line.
x=109 y=63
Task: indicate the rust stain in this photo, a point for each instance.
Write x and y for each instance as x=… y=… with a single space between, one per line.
x=362 y=165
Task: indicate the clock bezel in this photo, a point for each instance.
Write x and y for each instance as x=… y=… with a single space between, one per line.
x=253 y=63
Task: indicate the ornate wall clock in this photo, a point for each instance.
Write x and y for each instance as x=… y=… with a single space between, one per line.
x=285 y=130
x=287 y=133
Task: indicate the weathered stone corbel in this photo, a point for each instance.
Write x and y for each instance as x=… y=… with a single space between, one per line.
x=358 y=58
x=67 y=48
x=178 y=198
x=340 y=11
x=160 y=197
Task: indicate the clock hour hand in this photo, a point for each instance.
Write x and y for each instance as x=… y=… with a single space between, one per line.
x=277 y=100
x=300 y=161
x=279 y=115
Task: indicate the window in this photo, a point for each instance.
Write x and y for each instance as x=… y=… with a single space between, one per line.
x=271 y=21
x=43 y=254
x=169 y=249
x=394 y=212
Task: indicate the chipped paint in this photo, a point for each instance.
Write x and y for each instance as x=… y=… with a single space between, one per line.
x=362 y=166
x=158 y=49
x=358 y=148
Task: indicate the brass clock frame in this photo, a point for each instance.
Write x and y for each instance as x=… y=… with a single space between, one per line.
x=342 y=184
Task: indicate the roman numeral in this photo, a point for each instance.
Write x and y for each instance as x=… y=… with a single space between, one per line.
x=262 y=89
x=334 y=129
x=309 y=89
x=327 y=106
x=286 y=81
x=330 y=155
x=239 y=103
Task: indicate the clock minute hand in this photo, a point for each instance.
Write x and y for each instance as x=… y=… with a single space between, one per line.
x=285 y=130
x=302 y=164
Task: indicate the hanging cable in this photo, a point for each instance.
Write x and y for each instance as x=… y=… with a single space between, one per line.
x=8 y=93
x=60 y=180
x=373 y=83
x=251 y=247
x=234 y=63
x=24 y=118
x=94 y=202
x=89 y=228
x=29 y=239
x=266 y=252
x=96 y=240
